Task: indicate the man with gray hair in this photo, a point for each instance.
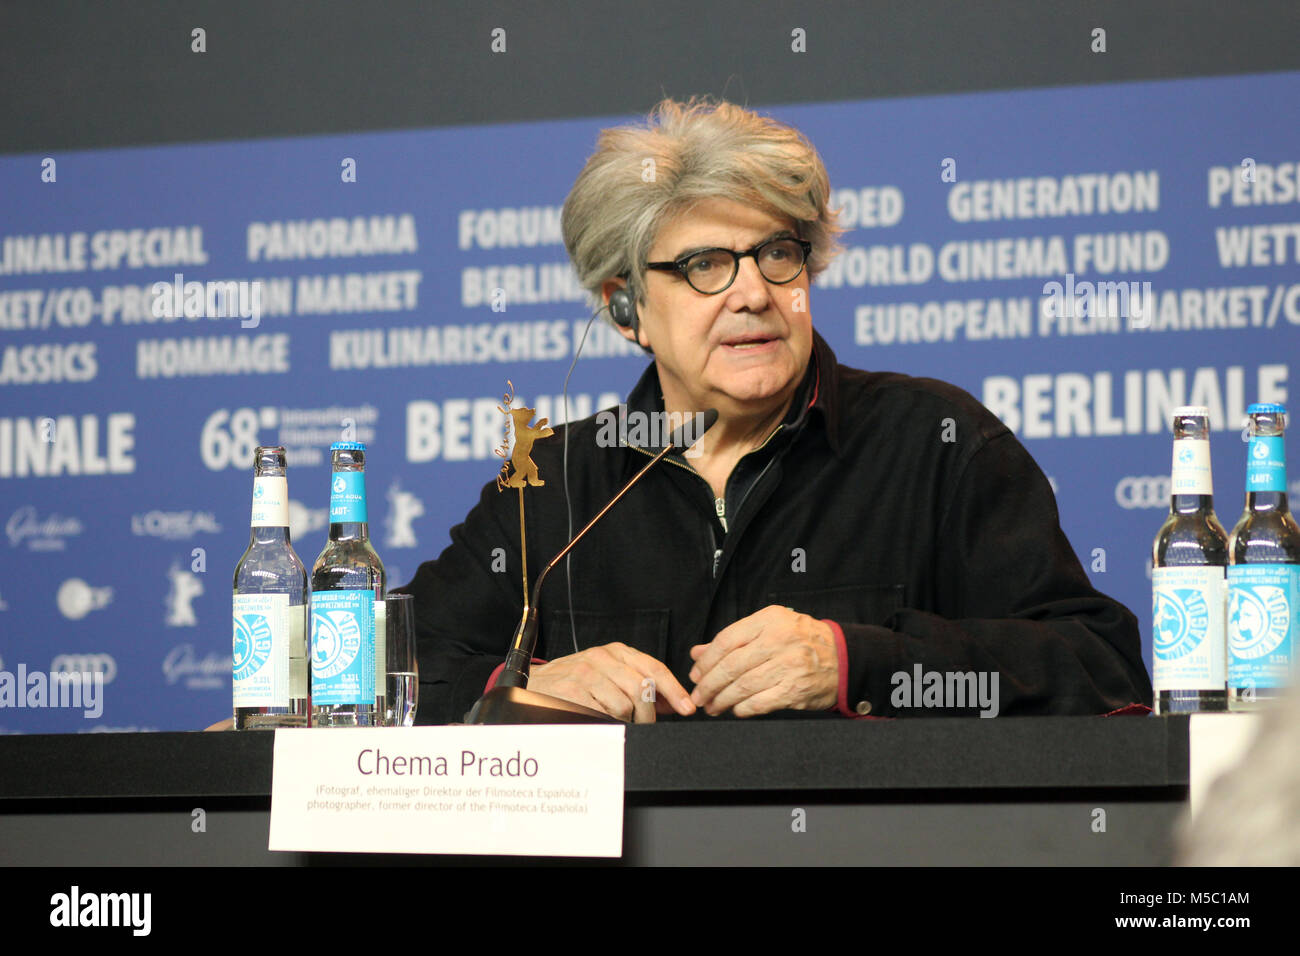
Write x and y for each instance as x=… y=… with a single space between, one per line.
x=834 y=530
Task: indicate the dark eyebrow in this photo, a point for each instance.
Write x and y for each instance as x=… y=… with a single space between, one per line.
x=779 y=234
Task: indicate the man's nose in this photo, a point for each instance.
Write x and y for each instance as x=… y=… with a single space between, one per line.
x=749 y=281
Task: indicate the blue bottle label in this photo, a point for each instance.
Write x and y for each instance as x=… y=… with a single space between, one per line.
x=1266 y=464
x=348 y=497
x=1187 y=628
x=260 y=653
x=342 y=648
x=1262 y=604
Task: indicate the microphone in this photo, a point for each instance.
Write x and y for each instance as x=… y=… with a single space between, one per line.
x=503 y=704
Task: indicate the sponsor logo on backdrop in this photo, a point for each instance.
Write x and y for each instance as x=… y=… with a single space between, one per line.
x=26 y=526
x=403 y=508
x=1142 y=491
x=91 y=663
x=174 y=525
x=76 y=598
x=185 y=587
x=304 y=520
x=211 y=672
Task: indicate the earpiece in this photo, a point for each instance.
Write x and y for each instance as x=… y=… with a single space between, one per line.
x=622 y=309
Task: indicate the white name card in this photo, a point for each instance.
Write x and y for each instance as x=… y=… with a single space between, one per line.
x=1217 y=742
x=525 y=791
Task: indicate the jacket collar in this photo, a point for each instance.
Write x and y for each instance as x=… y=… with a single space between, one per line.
x=816 y=401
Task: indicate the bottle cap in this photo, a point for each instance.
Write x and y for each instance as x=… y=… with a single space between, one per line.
x=1187 y=411
x=348 y=446
x=1266 y=408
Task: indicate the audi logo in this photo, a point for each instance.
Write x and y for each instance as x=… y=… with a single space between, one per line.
x=1143 y=491
x=85 y=664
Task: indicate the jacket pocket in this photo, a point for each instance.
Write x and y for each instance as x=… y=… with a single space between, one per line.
x=852 y=604
x=644 y=630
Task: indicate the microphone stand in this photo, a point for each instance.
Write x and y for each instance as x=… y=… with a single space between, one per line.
x=510 y=701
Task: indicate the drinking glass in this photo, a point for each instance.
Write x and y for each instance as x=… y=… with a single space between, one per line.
x=403 y=676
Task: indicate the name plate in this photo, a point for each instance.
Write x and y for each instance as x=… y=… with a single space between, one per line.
x=521 y=791
x=1216 y=744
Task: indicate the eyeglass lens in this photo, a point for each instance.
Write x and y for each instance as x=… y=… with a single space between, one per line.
x=778 y=261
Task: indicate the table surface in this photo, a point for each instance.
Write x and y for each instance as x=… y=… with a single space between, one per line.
x=960 y=754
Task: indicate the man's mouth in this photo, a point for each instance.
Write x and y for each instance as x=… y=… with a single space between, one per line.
x=749 y=341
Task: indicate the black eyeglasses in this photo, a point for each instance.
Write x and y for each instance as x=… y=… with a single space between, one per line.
x=711 y=271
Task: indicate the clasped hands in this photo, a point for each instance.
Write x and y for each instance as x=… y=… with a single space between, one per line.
x=774 y=659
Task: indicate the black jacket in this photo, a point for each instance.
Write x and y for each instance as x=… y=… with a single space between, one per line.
x=897 y=507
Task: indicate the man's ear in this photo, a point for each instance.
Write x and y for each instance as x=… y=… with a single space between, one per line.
x=607 y=289
x=634 y=333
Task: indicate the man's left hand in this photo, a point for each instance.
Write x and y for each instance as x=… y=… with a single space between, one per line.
x=775 y=659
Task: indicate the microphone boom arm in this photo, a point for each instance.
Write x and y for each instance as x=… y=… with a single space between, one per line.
x=519 y=659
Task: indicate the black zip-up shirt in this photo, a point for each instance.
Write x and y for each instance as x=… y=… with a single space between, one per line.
x=897 y=508
x=754 y=465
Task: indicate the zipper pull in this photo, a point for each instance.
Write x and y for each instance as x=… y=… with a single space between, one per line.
x=720 y=508
x=717 y=557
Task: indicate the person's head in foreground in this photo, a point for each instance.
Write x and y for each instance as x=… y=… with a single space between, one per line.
x=1251 y=814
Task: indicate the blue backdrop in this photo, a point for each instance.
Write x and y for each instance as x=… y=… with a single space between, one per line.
x=125 y=438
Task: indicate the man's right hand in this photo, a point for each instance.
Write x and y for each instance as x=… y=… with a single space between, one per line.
x=614 y=679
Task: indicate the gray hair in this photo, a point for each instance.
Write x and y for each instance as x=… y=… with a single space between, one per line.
x=643 y=176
